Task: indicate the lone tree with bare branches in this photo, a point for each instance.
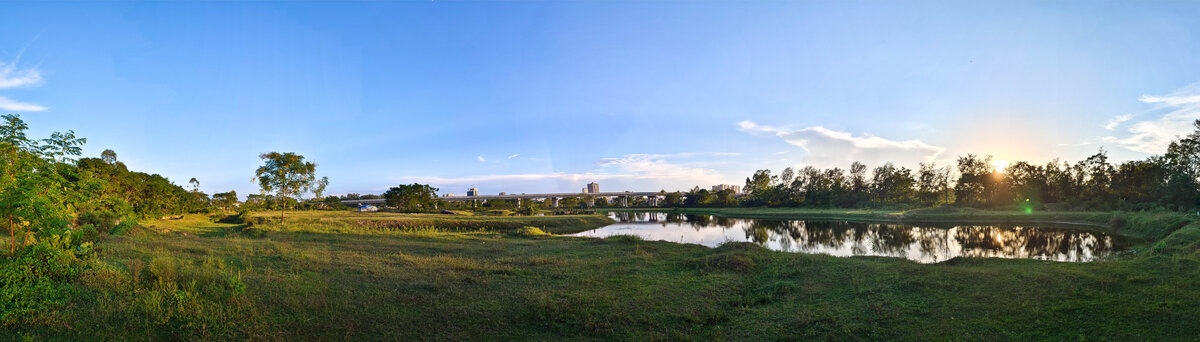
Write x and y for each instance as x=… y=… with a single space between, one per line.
x=286 y=175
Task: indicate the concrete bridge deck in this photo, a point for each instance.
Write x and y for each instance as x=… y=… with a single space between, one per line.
x=519 y=196
x=653 y=197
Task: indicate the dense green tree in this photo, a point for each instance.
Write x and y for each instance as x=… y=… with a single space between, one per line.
x=1140 y=184
x=760 y=188
x=932 y=184
x=319 y=190
x=225 y=200
x=725 y=198
x=1028 y=183
x=1098 y=171
x=286 y=175
x=673 y=200
x=36 y=192
x=109 y=156
x=571 y=202
x=858 y=185
x=973 y=172
x=411 y=196
x=698 y=197
x=891 y=185
x=1183 y=155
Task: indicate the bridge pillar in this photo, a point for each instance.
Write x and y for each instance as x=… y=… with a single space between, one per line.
x=518 y=203
x=554 y=202
x=624 y=201
x=591 y=202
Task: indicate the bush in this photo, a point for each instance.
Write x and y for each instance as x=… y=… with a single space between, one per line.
x=530 y=231
x=232 y=219
x=87 y=233
x=33 y=282
x=122 y=228
x=101 y=220
x=252 y=232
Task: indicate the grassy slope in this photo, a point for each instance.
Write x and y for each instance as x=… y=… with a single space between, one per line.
x=429 y=281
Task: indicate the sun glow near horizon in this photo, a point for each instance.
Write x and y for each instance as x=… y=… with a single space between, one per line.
x=998 y=165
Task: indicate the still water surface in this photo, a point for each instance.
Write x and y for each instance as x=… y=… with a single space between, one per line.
x=925 y=243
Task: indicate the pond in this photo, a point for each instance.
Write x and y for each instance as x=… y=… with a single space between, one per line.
x=925 y=243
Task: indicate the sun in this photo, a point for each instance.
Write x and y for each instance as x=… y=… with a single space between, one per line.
x=999 y=165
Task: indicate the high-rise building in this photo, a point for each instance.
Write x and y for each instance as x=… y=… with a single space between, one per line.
x=736 y=189
x=593 y=188
x=472 y=192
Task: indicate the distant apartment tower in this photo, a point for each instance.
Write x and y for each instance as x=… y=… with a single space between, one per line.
x=472 y=192
x=593 y=188
x=736 y=189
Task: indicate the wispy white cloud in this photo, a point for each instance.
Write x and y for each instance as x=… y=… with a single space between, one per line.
x=10 y=104
x=629 y=169
x=575 y=177
x=657 y=166
x=1117 y=120
x=826 y=147
x=514 y=155
x=1153 y=136
x=1183 y=96
x=1078 y=144
x=480 y=158
x=12 y=77
x=754 y=128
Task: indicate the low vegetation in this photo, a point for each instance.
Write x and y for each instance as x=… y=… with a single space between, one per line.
x=333 y=275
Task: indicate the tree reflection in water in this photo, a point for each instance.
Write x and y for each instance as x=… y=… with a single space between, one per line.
x=923 y=243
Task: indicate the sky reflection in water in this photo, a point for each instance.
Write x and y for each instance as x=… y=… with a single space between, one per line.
x=925 y=243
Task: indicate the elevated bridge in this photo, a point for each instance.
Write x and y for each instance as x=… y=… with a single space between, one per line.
x=623 y=197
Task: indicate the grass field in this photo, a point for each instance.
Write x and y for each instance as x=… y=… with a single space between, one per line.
x=376 y=276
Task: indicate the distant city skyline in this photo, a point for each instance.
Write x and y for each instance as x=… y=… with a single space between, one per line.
x=542 y=97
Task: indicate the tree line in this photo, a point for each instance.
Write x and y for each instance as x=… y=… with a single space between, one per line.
x=45 y=191
x=1167 y=181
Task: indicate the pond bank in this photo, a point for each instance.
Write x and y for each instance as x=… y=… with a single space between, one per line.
x=1151 y=226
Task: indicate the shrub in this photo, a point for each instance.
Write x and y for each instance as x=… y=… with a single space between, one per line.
x=33 y=282
x=238 y=218
x=252 y=232
x=530 y=231
x=101 y=220
x=122 y=228
x=86 y=233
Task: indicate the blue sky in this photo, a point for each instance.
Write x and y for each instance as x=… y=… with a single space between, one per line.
x=547 y=96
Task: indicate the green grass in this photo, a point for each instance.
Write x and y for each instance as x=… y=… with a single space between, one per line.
x=354 y=276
